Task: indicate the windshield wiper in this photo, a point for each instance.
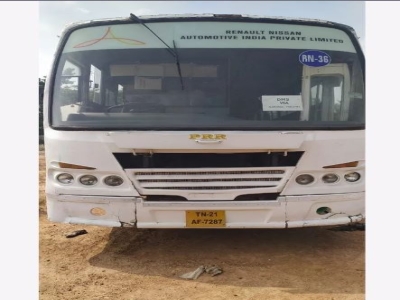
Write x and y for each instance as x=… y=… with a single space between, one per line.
x=178 y=64
x=174 y=52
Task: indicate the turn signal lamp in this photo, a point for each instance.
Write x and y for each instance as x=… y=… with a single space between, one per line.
x=344 y=165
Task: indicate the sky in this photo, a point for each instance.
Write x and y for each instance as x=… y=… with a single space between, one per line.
x=54 y=15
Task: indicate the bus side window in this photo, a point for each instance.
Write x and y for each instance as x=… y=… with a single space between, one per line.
x=326 y=98
x=114 y=95
x=95 y=85
x=70 y=85
x=326 y=93
x=120 y=94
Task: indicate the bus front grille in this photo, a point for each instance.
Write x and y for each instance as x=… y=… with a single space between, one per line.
x=231 y=182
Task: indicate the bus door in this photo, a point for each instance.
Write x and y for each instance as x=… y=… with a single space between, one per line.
x=326 y=93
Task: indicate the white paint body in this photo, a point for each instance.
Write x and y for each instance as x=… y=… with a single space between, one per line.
x=295 y=207
x=126 y=205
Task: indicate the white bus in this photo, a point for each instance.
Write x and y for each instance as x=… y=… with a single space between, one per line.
x=206 y=121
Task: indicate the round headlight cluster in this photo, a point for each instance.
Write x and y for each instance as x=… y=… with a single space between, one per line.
x=88 y=180
x=304 y=179
x=65 y=178
x=113 y=180
x=330 y=178
x=352 y=177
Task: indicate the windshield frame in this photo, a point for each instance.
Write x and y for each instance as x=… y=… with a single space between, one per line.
x=290 y=125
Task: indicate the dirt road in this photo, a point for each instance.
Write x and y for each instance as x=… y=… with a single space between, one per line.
x=128 y=264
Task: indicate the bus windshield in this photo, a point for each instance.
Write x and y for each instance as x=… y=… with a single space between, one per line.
x=232 y=75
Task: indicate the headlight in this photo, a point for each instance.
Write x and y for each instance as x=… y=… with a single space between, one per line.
x=352 y=177
x=113 y=180
x=65 y=178
x=330 y=178
x=88 y=180
x=304 y=179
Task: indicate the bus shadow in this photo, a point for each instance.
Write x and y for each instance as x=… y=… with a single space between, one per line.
x=301 y=260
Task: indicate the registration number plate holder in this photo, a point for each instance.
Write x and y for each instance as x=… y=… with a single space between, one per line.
x=205 y=218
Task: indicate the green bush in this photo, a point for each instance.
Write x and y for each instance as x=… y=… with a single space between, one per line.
x=42 y=82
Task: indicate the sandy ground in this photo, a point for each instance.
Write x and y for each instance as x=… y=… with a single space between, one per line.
x=126 y=263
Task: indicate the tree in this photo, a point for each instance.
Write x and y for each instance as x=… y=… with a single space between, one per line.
x=42 y=82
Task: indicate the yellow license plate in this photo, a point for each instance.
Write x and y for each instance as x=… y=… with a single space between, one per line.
x=205 y=218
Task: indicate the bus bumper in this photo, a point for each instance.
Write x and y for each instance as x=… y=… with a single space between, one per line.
x=285 y=212
x=92 y=210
